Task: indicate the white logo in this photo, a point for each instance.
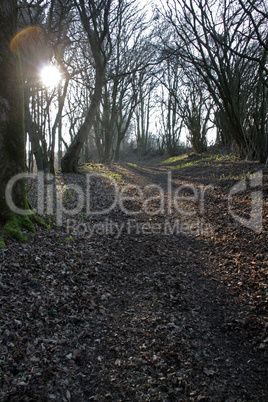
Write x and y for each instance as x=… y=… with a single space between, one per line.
x=255 y=221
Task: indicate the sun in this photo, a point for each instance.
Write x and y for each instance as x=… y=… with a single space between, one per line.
x=50 y=76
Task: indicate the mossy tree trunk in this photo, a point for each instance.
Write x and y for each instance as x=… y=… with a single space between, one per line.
x=12 y=141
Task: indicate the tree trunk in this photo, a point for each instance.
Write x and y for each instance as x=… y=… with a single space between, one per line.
x=96 y=26
x=32 y=130
x=69 y=162
x=12 y=140
x=117 y=150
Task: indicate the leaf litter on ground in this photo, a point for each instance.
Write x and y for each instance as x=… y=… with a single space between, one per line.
x=144 y=316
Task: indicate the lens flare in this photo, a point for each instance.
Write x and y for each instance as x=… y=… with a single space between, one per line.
x=50 y=76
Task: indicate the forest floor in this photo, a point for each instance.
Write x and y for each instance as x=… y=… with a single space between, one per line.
x=161 y=298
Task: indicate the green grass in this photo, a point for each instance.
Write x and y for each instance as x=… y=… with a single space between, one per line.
x=114 y=176
x=202 y=159
x=174 y=159
x=97 y=167
x=192 y=163
x=132 y=164
x=205 y=160
x=90 y=167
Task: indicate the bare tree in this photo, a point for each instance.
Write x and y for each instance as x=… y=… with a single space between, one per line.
x=95 y=20
x=196 y=116
x=131 y=54
x=54 y=19
x=143 y=112
x=257 y=13
x=209 y=37
x=171 y=121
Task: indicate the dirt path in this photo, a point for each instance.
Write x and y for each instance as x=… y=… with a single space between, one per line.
x=177 y=319
x=146 y=314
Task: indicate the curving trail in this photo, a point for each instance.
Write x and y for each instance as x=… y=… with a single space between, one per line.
x=146 y=314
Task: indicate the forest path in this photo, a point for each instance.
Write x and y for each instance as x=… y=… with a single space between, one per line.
x=145 y=307
x=177 y=332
